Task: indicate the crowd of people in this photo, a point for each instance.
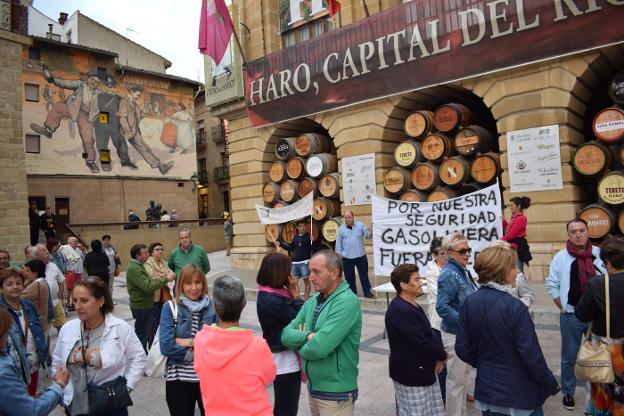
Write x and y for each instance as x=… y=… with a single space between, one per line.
x=478 y=321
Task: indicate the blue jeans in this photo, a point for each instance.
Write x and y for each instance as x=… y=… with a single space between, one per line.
x=536 y=412
x=300 y=270
x=437 y=336
x=571 y=333
x=349 y=266
x=143 y=323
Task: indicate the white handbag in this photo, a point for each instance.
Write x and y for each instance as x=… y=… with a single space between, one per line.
x=156 y=362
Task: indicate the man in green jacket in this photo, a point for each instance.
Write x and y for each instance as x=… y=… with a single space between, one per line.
x=141 y=288
x=188 y=253
x=326 y=334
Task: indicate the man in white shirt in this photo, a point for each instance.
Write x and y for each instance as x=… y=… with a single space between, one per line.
x=56 y=282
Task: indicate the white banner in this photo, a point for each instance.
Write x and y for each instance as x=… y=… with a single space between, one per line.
x=300 y=209
x=402 y=231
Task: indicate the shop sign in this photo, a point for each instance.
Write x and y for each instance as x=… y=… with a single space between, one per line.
x=534 y=158
x=415 y=46
x=358 y=179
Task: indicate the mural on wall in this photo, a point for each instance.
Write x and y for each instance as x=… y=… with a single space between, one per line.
x=89 y=123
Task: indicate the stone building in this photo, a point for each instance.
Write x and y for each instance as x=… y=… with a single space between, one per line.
x=356 y=78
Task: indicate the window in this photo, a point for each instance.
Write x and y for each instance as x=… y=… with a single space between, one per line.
x=307 y=31
x=101 y=73
x=34 y=53
x=69 y=34
x=31 y=92
x=33 y=143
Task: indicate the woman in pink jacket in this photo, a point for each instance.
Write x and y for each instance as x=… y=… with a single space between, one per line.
x=233 y=366
x=515 y=231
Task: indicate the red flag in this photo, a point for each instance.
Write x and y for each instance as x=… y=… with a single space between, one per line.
x=333 y=6
x=215 y=29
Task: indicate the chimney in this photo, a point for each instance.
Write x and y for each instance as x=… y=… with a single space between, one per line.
x=62 y=18
x=50 y=27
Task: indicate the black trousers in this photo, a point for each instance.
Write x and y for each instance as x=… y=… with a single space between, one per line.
x=104 y=132
x=144 y=319
x=287 y=388
x=181 y=398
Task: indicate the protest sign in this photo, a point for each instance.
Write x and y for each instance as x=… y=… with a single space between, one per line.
x=300 y=209
x=402 y=231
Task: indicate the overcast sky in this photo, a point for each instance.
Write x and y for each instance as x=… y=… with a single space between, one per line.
x=169 y=28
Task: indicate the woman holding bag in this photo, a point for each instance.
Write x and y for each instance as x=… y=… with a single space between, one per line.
x=101 y=352
x=157 y=268
x=607 y=399
x=192 y=309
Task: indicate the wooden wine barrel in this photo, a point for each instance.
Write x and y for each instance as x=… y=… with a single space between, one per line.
x=330 y=229
x=616 y=88
x=608 y=125
x=413 y=195
x=621 y=221
x=611 y=188
x=270 y=193
x=329 y=185
x=397 y=180
x=289 y=231
x=436 y=147
x=295 y=168
x=288 y=190
x=441 y=194
x=280 y=204
x=277 y=172
x=449 y=117
x=314 y=230
x=485 y=168
x=321 y=164
x=285 y=148
x=600 y=220
x=325 y=208
x=454 y=171
x=472 y=140
x=312 y=143
x=418 y=124
x=408 y=153
x=306 y=186
x=592 y=158
x=469 y=188
x=272 y=232
x=425 y=176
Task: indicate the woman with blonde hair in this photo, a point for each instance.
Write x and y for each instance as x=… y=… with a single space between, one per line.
x=495 y=334
x=180 y=320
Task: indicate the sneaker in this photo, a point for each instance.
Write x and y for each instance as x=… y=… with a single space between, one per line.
x=92 y=166
x=129 y=164
x=370 y=295
x=568 y=402
x=42 y=130
x=164 y=167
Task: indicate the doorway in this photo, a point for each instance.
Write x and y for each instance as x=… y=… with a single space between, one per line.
x=61 y=209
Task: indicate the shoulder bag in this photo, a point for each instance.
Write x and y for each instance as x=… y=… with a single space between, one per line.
x=593 y=362
x=156 y=361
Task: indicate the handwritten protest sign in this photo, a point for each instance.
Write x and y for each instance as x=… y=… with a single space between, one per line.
x=402 y=231
x=300 y=209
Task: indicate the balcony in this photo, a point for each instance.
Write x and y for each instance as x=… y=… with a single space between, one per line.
x=217 y=134
x=221 y=175
x=202 y=177
x=200 y=140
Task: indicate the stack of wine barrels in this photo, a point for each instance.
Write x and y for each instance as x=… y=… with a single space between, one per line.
x=600 y=161
x=305 y=164
x=444 y=156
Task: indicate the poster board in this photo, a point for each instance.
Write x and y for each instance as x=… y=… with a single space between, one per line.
x=358 y=179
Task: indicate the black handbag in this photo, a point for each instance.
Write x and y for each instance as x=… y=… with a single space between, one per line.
x=106 y=397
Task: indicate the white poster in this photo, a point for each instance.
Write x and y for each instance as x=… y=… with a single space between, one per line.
x=402 y=231
x=534 y=159
x=358 y=179
x=300 y=209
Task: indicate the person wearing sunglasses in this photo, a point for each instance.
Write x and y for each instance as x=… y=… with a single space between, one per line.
x=454 y=285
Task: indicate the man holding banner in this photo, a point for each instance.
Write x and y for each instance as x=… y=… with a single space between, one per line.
x=350 y=246
x=301 y=247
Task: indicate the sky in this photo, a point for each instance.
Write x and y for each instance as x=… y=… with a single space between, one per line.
x=169 y=28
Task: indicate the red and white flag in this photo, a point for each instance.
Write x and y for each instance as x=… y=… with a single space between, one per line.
x=215 y=29
x=333 y=6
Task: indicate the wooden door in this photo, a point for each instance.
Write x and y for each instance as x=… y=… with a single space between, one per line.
x=61 y=209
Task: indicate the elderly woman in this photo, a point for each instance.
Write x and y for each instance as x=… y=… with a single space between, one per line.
x=415 y=355
x=233 y=366
x=36 y=290
x=14 y=399
x=454 y=285
x=279 y=303
x=98 y=348
x=607 y=399
x=157 y=268
x=26 y=338
x=496 y=335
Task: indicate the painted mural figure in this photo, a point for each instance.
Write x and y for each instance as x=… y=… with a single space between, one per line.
x=47 y=96
x=168 y=137
x=184 y=130
x=129 y=119
x=108 y=103
x=81 y=107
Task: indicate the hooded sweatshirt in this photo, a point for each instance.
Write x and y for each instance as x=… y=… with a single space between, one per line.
x=234 y=368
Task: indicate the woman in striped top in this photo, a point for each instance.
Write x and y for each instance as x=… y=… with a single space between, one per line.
x=180 y=320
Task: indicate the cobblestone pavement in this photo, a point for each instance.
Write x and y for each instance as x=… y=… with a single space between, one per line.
x=376 y=392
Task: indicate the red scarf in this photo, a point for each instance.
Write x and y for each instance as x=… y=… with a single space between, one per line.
x=584 y=260
x=281 y=291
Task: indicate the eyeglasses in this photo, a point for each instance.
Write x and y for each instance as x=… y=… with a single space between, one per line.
x=463 y=251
